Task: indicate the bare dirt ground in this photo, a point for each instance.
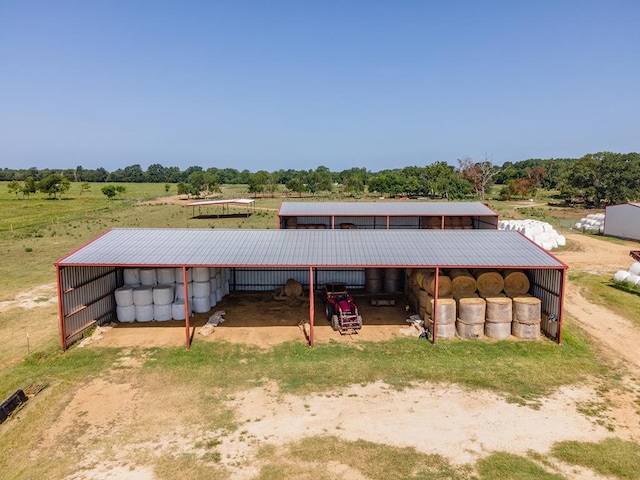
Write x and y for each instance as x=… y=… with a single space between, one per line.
x=464 y=424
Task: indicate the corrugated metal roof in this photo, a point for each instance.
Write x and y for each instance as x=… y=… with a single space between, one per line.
x=240 y=201
x=384 y=208
x=303 y=248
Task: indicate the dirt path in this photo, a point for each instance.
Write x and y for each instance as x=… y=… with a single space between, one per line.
x=617 y=337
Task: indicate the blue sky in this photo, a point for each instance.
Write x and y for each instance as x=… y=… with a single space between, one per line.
x=298 y=84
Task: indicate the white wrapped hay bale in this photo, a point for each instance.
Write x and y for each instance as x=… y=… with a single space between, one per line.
x=124 y=296
x=163 y=294
x=201 y=304
x=126 y=314
x=632 y=279
x=469 y=331
x=143 y=295
x=201 y=289
x=180 y=290
x=177 y=310
x=144 y=313
x=446 y=330
x=148 y=276
x=621 y=275
x=166 y=276
x=472 y=311
x=162 y=313
x=634 y=269
x=446 y=311
x=179 y=276
x=526 y=309
x=526 y=330
x=497 y=331
x=499 y=310
x=131 y=276
x=200 y=274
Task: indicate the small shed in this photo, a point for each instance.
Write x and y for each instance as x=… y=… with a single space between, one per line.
x=248 y=260
x=223 y=207
x=623 y=221
x=387 y=215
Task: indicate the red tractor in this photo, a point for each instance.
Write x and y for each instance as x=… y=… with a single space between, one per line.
x=341 y=311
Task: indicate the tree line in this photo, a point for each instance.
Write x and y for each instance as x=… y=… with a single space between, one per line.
x=594 y=179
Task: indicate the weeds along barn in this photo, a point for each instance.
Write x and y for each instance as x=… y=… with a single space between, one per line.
x=170 y=273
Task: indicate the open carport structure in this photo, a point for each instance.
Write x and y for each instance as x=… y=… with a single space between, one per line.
x=387 y=215
x=260 y=259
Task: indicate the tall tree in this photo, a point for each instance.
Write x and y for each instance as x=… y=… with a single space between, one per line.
x=478 y=173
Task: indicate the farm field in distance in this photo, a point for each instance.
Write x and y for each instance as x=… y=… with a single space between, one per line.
x=348 y=409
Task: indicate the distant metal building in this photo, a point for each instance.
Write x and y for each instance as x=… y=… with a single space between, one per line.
x=387 y=215
x=623 y=221
x=264 y=259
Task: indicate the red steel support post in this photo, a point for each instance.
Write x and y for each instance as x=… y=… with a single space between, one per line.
x=434 y=310
x=311 y=307
x=63 y=333
x=185 y=287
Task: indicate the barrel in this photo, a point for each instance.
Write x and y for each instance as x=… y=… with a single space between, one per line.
x=373 y=280
x=393 y=279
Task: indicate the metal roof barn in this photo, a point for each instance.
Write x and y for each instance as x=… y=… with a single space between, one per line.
x=623 y=221
x=387 y=215
x=88 y=276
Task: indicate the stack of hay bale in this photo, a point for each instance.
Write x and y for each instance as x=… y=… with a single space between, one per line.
x=593 y=223
x=631 y=276
x=541 y=233
x=476 y=303
x=158 y=293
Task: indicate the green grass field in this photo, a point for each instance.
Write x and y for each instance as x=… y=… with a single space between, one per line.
x=35 y=232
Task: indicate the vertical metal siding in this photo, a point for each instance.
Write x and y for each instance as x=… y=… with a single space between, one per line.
x=546 y=285
x=486 y=223
x=267 y=278
x=87 y=297
x=353 y=277
x=324 y=220
x=359 y=222
x=623 y=221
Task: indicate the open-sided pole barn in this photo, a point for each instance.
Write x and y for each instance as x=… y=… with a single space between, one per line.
x=387 y=215
x=264 y=259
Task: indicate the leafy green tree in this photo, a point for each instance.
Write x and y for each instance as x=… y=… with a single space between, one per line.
x=479 y=174
x=258 y=181
x=185 y=189
x=14 y=187
x=296 y=185
x=109 y=191
x=85 y=187
x=167 y=187
x=29 y=187
x=120 y=190
x=53 y=185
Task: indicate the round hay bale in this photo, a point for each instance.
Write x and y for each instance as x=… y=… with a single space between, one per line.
x=200 y=274
x=148 y=276
x=393 y=280
x=124 y=296
x=634 y=269
x=632 y=279
x=162 y=313
x=143 y=295
x=219 y=294
x=452 y=222
x=177 y=310
x=163 y=295
x=144 y=313
x=180 y=277
x=131 y=276
x=347 y=226
x=621 y=275
x=462 y=282
x=292 y=222
x=469 y=331
x=293 y=288
x=446 y=311
x=201 y=304
x=499 y=331
x=516 y=282
x=526 y=309
x=373 y=280
x=499 y=310
x=180 y=290
x=166 y=275
x=201 y=289
x=444 y=285
x=472 y=310
x=126 y=314
x=447 y=330
x=489 y=282
x=424 y=300
x=529 y=330
x=213 y=298
x=466 y=221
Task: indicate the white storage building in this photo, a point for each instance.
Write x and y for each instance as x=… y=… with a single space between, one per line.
x=623 y=221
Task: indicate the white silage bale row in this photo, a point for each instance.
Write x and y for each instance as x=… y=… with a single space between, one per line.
x=177 y=310
x=213 y=298
x=219 y=278
x=561 y=240
x=180 y=290
x=200 y=274
x=547 y=245
x=124 y=296
x=180 y=278
x=201 y=304
x=201 y=289
x=163 y=294
x=621 y=275
x=214 y=285
x=166 y=276
x=148 y=276
x=219 y=294
x=144 y=313
x=213 y=271
x=546 y=227
x=634 y=269
x=542 y=237
x=126 y=314
x=578 y=226
x=162 y=313
x=632 y=279
x=131 y=276
x=143 y=295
